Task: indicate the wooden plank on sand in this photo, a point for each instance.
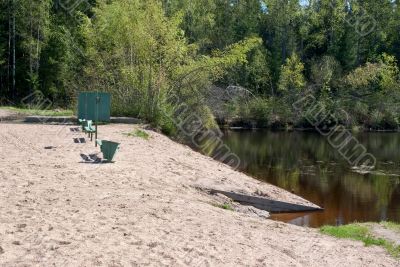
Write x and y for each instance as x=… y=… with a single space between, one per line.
x=266 y=204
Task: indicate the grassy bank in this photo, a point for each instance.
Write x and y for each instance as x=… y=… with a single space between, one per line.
x=39 y=112
x=366 y=233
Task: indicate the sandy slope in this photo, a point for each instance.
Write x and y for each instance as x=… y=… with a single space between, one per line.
x=142 y=210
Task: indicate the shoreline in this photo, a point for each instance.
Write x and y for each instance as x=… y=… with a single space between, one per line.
x=311 y=130
x=7 y=115
x=250 y=124
x=146 y=208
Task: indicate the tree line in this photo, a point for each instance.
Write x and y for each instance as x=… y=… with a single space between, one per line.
x=146 y=53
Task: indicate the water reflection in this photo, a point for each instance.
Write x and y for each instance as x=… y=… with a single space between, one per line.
x=305 y=163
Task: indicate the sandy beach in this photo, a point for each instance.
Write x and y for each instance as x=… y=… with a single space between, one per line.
x=147 y=208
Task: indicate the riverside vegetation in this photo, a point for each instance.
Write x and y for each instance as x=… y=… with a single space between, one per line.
x=364 y=232
x=245 y=60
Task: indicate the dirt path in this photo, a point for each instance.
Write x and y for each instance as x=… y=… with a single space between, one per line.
x=380 y=231
x=142 y=210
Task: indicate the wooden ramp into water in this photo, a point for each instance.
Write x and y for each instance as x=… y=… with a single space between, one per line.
x=269 y=205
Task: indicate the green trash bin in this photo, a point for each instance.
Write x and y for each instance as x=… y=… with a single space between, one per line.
x=108 y=148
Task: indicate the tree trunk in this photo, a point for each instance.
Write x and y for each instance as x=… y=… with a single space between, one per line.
x=13 y=52
x=283 y=45
x=9 y=48
x=31 y=53
x=37 y=65
x=150 y=92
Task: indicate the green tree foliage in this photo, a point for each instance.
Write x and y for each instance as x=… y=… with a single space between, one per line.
x=154 y=61
x=292 y=79
x=374 y=87
x=345 y=53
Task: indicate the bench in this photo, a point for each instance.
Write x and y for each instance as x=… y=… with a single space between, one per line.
x=82 y=122
x=90 y=129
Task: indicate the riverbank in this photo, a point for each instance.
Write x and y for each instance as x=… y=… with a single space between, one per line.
x=248 y=124
x=149 y=207
x=384 y=234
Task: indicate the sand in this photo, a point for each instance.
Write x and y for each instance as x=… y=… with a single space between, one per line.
x=6 y=115
x=145 y=209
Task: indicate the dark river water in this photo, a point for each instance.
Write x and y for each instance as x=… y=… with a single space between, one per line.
x=306 y=164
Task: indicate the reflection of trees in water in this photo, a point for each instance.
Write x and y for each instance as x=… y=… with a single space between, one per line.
x=307 y=164
x=385 y=146
x=374 y=189
x=384 y=187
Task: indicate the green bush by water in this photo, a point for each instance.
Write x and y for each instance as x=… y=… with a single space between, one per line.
x=362 y=233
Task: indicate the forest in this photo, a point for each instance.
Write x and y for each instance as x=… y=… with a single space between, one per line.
x=230 y=61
